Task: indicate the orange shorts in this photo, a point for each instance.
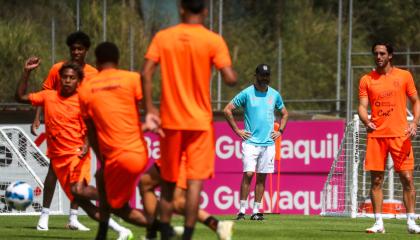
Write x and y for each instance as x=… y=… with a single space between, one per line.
x=199 y=151
x=121 y=174
x=71 y=169
x=182 y=178
x=377 y=150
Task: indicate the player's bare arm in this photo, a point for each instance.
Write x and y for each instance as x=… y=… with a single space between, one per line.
x=30 y=64
x=147 y=72
x=283 y=121
x=242 y=133
x=412 y=126
x=85 y=148
x=229 y=76
x=363 y=114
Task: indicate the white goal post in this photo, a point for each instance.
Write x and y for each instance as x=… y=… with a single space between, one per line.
x=21 y=159
x=347 y=189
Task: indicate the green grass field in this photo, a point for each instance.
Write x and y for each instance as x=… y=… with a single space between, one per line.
x=275 y=227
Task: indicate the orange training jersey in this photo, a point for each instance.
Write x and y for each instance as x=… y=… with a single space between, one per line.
x=186 y=53
x=52 y=82
x=110 y=99
x=64 y=125
x=387 y=95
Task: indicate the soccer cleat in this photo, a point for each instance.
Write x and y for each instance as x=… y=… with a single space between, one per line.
x=42 y=223
x=376 y=228
x=240 y=216
x=76 y=225
x=413 y=228
x=224 y=230
x=125 y=234
x=257 y=216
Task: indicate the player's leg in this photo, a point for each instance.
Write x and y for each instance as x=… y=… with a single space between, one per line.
x=83 y=194
x=244 y=192
x=170 y=163
x=199 y=162
x=104 y=209
x=376 y=196
x=249 y=163
x=148 y=182
x=259 y=192
x=376 y=155
x=402 y=154
x=48 y=193
x=265 y=164
x=222 y=228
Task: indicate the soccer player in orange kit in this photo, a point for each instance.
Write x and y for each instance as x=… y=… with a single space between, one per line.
x=386 y=89
x=186 y=53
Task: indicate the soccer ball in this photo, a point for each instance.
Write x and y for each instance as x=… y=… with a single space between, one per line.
x=19 y=195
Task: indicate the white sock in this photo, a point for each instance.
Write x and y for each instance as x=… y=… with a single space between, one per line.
x=378 y=218
x=73 y=215
x=45 y=211
x=256 y=209
x=114 y=225
x=411 y=218
x=244 y=206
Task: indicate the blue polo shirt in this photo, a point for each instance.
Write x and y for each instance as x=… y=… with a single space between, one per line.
x=259 y=113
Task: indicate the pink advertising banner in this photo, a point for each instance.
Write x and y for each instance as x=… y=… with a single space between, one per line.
x=307 y=152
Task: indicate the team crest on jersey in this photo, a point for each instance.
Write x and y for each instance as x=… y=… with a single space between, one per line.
x=396 y=83
x=270 y=100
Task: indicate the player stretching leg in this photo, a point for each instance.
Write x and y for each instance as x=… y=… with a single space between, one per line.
x=68 y=147
x=259 y=102
x=150 y=180
x=386 y=89
x=109 y=104
x=78 y=44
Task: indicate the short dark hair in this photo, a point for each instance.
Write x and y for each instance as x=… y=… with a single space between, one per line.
x=193 y=6
x=107 y=52
x=75 y=66
x=78 y=37
x=388 y=46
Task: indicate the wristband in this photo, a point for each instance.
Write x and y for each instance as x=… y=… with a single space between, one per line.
x=281 y=131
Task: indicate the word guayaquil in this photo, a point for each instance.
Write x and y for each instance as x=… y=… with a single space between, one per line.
x=305 y=149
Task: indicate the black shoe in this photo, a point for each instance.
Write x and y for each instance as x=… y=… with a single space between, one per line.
x=240 y=216
x=257 y=216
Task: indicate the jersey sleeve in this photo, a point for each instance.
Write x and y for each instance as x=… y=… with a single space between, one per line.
x=279 y=102
x=153 y=50
x=50 y=83
x=83 y=103
x=221 y=57
x=138 y=93
x=239 y=100
x=38 y=98
x=411 y=87
x=363 y=87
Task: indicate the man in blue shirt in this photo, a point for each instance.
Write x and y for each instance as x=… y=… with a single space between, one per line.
x=259 y=102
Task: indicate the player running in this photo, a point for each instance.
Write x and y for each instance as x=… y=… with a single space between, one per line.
x=186 y=53
x=78 y=43
x=259 y=102
x=150 y=180
x=68 y=148
x=386 y=89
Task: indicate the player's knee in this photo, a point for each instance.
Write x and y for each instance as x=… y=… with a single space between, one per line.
x=145 y=183
x=76 y=190
x=248 y=175
x=179 y=204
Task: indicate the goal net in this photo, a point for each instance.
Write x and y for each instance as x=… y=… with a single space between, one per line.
x=21 y=159
x=347 y=189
